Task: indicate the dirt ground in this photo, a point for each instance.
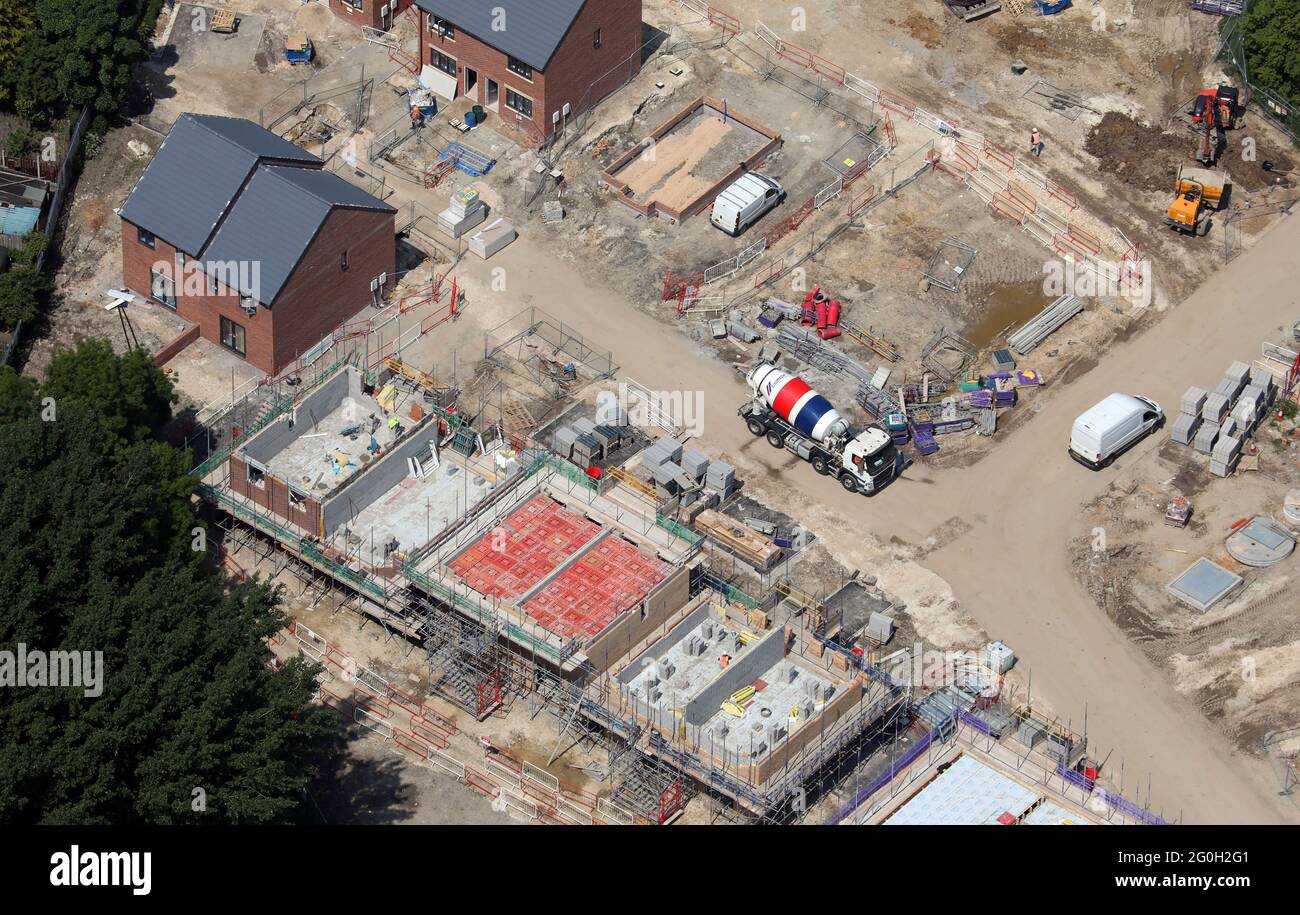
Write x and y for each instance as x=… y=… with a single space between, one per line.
x=933 y=538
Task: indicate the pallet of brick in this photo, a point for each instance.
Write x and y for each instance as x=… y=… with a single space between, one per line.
x=1185 y=428
x=1193 y=400
x=587 y=450
x=1263 y=379
x=1238 y=372
x=1216 y=405
x=739 y=538
x=1205 y=437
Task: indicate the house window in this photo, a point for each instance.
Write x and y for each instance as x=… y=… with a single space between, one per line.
x=145 y=238
x=595 y=42
x=519 y=103
x=440 y=26
x=343 y=261
x=515 y=65
x=442 y=62
x=255 y=475
x=232 y=336
x=249 y=304
x=163 y=288
x=355 y=4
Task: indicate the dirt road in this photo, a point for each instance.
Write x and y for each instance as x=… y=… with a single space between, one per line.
x=1019 y=507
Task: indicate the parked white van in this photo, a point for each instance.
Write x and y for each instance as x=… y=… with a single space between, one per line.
x=1105 y=431
x=745 y=202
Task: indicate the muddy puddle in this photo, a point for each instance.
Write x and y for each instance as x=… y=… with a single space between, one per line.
x=1001 y=309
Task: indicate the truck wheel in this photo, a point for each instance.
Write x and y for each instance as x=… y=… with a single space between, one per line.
x=821 y=465
x=1203 y=229
x=755 y=427
x=847 y=481
x=776 y=439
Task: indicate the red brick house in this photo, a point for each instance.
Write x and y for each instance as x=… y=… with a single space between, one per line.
x=246 y=235
x=377 y=14
x=534 y=63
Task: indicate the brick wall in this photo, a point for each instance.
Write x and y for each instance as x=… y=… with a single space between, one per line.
x=576 y=65
x=370 y=13
x=272 y=494
x=318 y=296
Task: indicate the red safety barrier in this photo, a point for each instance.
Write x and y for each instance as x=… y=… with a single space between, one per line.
x=1004 y=204
x=862 y=201
x=967 y=156
x=480 y=782
x=791 y=223
x=1061 y=194
x=895 y=102
x=1068 y=247
x=889 y=131
x=729 y=24
x=1021 y=195
x=1085 y=239
x=999 y=155
x=409 y=741
x=810 y=61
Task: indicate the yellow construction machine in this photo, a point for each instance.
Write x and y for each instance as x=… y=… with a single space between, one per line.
x=1198 y=192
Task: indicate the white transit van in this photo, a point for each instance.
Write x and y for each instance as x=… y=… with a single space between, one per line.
x=1117 y=423
x=745 y=202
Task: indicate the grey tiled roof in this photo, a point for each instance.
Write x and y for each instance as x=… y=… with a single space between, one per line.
x=533 y=29
x=224 y=190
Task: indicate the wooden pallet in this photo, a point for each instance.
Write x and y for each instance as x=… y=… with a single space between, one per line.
x=223 y=21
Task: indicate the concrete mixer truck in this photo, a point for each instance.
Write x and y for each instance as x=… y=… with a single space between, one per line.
x=795 y=417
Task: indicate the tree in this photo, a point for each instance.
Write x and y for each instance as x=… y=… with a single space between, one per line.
x=15 y=26
x=17 y=395
x=77 y=53
x=97 y=553
x=22 y=290
x=131 y=397
x=1271 y=38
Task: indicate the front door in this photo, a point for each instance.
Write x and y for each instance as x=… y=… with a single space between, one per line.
x=493 y=92
x=471 y=83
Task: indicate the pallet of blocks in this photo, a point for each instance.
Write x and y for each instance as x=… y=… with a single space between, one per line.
x=739 y=538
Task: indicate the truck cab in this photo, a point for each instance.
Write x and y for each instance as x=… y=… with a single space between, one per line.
x=871 y=458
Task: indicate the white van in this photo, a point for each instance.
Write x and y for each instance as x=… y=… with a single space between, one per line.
x=1111 y=427
x=745 y=202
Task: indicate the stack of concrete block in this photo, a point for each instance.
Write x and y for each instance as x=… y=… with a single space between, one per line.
x=1189 y=416
x=695 y=463
x=1230 y=427
x=1185 y=428
x=880 y=628
x=564 y=441
x=661 y=451
x=1193 y=400
x=1263 y=379
x=668 y=478
x=1234 y=380
x=721 y=478
x=1225 y=456
x=1206 y=437
x=1216 y=406
x=1250 y=406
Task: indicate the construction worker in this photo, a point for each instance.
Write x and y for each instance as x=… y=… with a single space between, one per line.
x=1036 y=143
x=417 y=117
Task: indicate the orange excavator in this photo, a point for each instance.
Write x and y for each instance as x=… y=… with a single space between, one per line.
x=1213 y=112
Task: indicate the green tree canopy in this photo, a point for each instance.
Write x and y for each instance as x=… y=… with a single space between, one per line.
x=1271 y=36
x=97 y=553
